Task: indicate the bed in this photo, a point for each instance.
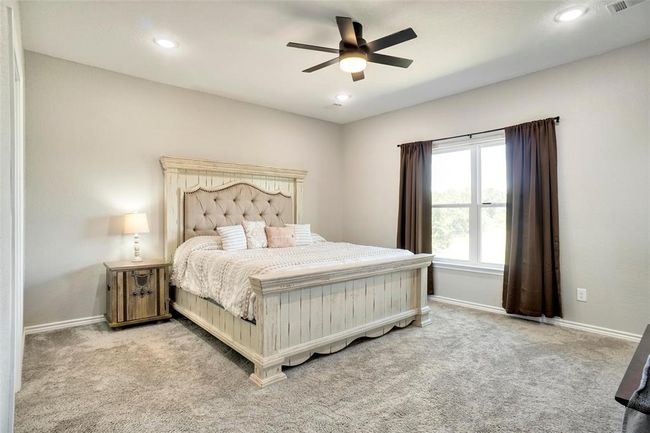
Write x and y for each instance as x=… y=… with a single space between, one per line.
x=346 y=292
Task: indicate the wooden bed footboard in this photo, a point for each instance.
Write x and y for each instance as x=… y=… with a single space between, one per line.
x=317 y=311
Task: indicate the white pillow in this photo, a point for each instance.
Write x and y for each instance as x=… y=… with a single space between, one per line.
x=255 y=234
x=315 y=237
x=302 y=233
x=233 y=238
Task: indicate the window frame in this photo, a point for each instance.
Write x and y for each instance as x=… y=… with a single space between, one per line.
x=474 y=145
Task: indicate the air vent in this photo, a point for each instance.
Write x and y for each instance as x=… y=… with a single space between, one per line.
x=620 y=6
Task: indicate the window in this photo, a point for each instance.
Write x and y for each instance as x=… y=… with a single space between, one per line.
x=469 y=202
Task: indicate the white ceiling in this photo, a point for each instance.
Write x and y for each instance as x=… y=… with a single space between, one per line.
x=237 y=49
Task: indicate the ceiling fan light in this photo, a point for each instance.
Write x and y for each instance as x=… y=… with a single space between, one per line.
x=352 y=62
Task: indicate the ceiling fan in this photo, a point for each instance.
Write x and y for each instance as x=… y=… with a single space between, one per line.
x=354 y=51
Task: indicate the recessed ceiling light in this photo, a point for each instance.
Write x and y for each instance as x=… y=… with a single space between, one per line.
x=165 y=43
x=571 y=14
x=342 y=97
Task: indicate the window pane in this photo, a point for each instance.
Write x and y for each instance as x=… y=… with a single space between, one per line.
x=451 y=233
x=493 y=234
x=451 y=176
x=493 y=174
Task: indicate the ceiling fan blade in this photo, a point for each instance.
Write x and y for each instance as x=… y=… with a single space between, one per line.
x=322 y=65
x=312 y=47
x=389 y=60
x=390 y=40
x=346 y=28
x=356 y=76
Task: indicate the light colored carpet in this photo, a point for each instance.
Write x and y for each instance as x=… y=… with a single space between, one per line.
x=467 y=372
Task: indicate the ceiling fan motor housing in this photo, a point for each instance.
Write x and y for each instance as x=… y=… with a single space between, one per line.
x=361 y=42
x=353 y=53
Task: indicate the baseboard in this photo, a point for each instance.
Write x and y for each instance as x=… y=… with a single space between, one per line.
x=595 y=329
x=551 y=321
x=46 y=327
x=468 y=304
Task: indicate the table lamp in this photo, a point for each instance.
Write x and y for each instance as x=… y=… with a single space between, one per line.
x=136 y=223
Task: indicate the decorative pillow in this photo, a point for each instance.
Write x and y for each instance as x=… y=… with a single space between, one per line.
x=255 y=234
x=315 y=237
x=302 y=232
x=233 y=238
x=280 y=237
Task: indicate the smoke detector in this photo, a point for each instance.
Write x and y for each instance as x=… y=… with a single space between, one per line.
x=620 y=5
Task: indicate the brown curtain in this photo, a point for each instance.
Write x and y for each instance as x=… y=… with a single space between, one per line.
x=414 y=217
x=531 y=281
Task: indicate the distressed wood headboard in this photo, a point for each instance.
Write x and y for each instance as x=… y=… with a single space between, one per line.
x=183 y=175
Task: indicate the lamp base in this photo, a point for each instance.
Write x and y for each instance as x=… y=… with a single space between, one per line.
x=136 y=248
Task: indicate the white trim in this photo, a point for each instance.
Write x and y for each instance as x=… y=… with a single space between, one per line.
x=469 y=267
x=551 y=321
x=474 y=212
x=595 y=329
x=47 y=327
x=19 y=203
x=11 y=198
x=467 y=304
x=476 y=204
x=454 y=205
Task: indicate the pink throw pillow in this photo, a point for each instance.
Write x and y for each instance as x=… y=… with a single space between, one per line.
x=280 y=237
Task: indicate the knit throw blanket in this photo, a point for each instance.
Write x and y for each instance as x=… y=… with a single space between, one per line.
x=637 y=414
x=640 y=400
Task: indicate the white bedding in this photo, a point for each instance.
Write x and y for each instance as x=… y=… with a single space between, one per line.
x=203 y=269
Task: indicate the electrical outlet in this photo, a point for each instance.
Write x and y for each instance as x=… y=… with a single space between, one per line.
x=581 y=294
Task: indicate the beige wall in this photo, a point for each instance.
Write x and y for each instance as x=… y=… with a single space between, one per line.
x=604 y=186
x=93 y=142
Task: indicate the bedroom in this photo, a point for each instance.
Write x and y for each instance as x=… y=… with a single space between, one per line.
x=102 y=120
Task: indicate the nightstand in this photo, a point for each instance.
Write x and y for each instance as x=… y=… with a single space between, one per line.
x=136 y=292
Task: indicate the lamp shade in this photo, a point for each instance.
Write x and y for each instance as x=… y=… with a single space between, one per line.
x=136 y=223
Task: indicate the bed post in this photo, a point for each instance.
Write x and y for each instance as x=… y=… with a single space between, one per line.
x=423 y=317
x=298 y=188
x=171 y=214
x=268 y=368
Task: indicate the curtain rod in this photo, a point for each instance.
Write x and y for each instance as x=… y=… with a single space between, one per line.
x=556 y=118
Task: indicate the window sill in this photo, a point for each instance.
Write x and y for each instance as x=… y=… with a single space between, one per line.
x=467 y=267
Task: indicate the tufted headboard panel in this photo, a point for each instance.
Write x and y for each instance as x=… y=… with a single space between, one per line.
x=205 y=210
x=200 y=195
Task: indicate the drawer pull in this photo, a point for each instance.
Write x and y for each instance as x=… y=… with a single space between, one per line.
x=142 y=292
